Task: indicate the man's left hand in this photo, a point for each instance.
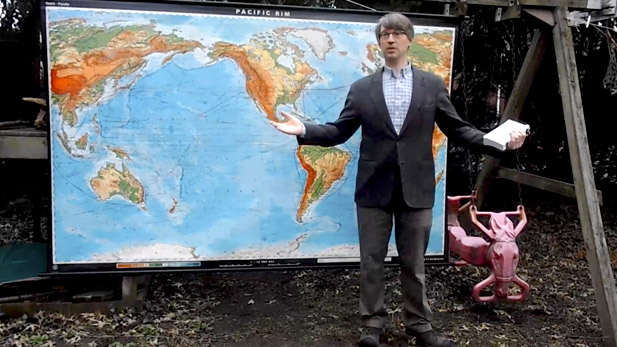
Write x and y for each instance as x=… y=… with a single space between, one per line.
x=516 y=139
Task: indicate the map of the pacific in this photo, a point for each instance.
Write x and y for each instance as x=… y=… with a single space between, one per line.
x=161 y=144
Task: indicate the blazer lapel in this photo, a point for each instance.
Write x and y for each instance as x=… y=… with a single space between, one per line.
x=376 y=93
x=417 y=95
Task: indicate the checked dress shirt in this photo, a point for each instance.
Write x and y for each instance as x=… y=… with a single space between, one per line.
x=397 y=92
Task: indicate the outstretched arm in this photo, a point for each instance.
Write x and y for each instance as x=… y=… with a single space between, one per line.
x=291 y=125
x=329 y=134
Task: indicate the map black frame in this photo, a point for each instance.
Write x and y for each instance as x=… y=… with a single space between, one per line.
x=233 y=9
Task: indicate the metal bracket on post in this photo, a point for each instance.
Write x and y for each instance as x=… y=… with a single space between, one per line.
x=512 y=12
x=498 y=12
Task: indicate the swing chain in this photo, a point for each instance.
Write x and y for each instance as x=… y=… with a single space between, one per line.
x=519 y=168
x=466 y=29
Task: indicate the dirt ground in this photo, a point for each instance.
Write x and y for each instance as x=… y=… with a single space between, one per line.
x=320 y=307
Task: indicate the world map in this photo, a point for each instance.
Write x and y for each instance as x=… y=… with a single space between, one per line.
x=161 y=143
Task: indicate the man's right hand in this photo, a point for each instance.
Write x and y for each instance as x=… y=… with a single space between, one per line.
x=291 y=125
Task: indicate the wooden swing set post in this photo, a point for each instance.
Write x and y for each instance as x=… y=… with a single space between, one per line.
x=582 y=169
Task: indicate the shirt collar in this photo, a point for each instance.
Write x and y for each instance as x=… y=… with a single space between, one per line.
x=404 y=72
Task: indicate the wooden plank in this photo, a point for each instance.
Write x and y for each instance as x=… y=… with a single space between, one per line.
x=27 y=143
x=23 y=132
x=586 y=197
x=548 y=184
x=514 y=106
x=591 y=5
x=608 y=6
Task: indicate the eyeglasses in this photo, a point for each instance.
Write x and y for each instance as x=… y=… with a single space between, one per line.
x=396 y=33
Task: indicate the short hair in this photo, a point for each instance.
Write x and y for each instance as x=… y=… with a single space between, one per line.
x=395 y=21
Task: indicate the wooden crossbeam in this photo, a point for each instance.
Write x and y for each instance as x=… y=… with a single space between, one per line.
x=609 y=7
x=587 y=4
x=514 y=106
x=551 y=185
x=586 y=197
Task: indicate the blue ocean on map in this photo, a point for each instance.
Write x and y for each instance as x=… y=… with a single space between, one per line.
x=218 y=179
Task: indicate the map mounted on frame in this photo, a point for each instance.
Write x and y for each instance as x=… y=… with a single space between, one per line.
x=162 y=155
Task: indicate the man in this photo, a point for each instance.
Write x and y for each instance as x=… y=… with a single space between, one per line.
x=397 y=108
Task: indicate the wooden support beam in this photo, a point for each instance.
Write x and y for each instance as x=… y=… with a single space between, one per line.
x=134 y=287
x=586 y=197
x=542 y=14
x=27 y=143
x=551 y=185
x=514 y=106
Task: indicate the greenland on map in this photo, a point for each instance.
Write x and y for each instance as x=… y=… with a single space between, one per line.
x=161 y=147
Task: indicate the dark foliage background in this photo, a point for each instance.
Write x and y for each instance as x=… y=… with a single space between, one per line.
x=19 y=50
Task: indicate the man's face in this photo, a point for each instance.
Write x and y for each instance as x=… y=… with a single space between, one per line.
x=394 y=44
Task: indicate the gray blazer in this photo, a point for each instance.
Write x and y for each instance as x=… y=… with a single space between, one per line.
x=383 y=152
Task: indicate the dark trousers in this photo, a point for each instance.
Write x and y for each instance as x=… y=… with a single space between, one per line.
x=412 y=228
